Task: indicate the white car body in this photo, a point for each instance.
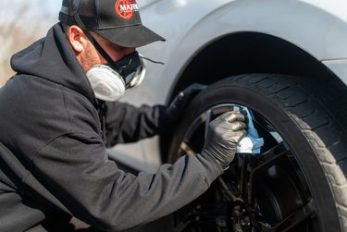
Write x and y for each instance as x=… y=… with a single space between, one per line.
x=318 y=27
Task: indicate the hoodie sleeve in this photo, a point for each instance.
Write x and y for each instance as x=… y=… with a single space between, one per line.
x=126 y=123
x=76 y=169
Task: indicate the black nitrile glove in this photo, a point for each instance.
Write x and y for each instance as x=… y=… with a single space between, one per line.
x=181 y=101
x=223 y=135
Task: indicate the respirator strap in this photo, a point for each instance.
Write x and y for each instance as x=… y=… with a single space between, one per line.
x=94 y=42
x=80 y=23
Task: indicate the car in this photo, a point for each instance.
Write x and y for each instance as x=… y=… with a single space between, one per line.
x=284 y=61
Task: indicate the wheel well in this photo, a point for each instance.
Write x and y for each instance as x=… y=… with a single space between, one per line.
x=249 y=52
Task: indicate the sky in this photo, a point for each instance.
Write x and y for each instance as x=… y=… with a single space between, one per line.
x=29 y=9
x=30 y=14
x=53 y=6
x=21 y=23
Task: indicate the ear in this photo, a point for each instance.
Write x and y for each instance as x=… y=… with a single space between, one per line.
x=78 y=40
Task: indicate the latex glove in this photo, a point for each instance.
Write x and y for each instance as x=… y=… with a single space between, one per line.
x=181 y=101
x=223 y=135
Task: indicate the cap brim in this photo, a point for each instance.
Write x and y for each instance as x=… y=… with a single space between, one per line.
x=131 y=36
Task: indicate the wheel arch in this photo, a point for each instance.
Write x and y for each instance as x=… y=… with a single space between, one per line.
x=248 y=52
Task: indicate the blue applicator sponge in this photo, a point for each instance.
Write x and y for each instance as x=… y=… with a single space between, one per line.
x=251 y=143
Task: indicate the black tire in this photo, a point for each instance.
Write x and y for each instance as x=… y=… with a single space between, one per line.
x=314 y=136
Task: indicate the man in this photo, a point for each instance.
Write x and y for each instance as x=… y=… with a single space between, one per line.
x=56 y=125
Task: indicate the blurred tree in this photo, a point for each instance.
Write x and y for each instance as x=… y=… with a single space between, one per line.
x=21 y=23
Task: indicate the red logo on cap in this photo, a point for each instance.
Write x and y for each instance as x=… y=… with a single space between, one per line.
x=125 y=8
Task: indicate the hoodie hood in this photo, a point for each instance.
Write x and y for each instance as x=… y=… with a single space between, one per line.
x=53 y=59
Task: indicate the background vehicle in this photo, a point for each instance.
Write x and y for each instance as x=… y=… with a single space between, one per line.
x=287 y=62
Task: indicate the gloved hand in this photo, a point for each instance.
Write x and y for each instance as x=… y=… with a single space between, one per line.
x=222 y=138
x=178 y=105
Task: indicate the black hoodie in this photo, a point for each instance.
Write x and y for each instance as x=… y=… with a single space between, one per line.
x=53 y=161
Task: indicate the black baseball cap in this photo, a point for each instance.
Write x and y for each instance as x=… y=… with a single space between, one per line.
x=116 y=20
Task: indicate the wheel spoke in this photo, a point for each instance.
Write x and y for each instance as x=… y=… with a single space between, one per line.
x=300 y=215
x=244 y=175
x=270 y=154
x=270 y=158
x=267 y=160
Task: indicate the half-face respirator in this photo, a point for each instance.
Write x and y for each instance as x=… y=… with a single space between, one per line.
x=109 y=82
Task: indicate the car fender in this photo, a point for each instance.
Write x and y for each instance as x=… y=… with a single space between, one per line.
x=313 y=26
